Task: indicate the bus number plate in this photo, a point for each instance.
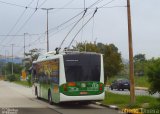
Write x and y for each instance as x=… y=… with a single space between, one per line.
x=83 y=93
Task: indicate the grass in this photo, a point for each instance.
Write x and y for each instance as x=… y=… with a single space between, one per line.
x=123 y=101
x=23 y=83
x=140 y=81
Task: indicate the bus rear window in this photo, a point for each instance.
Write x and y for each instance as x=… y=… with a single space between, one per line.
x=82 y=67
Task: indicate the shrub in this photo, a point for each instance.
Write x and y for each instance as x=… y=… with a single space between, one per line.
x=11 y=77
x=154 y=76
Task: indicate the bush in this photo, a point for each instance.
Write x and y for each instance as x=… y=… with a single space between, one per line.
x=11 y=78
x=154 y=76
x=29 y=80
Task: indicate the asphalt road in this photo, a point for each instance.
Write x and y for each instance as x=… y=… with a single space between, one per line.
x=16 y=99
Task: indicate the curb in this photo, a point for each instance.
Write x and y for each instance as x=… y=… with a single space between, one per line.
x=108 y=106
x=141 y=88
x=126 y=111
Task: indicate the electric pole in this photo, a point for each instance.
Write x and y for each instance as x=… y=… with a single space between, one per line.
x=12 y=58
x=131 y=64
x=24 y=44
x=47 y=9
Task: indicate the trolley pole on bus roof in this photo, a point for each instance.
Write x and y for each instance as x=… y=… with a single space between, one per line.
x=131 y=64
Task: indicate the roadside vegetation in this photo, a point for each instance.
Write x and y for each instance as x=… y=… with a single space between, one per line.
x=23 y=83
x=122 y=101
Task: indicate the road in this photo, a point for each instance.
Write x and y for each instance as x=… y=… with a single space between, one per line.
x=137 y=92
x=16 y=99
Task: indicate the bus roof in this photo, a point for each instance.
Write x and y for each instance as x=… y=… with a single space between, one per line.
x=53 y=55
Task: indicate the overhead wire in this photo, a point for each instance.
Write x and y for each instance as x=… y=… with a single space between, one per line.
x=106 y=4
x=82 y=28
x=59 y=25
x=114 y=7
x=17 y=5
x=98 y=1
x=18 y=20
x=22 y=6
x=66 y=26
x=63 y=7
x=42 y=3
x=72 y=28
x=66 y=21
x=28 y=18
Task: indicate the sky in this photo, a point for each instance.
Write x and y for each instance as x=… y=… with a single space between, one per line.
x=109 y=25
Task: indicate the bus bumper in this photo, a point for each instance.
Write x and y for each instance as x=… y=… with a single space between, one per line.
x=65 y=98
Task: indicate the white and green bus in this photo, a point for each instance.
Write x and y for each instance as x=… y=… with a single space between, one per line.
x=69 y=77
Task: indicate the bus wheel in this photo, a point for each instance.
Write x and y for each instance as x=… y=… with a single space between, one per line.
x=50 y=98
x=36 y=93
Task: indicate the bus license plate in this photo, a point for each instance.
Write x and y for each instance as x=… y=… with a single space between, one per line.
x=83 y=93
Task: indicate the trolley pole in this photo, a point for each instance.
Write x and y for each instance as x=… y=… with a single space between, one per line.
x=131 y=64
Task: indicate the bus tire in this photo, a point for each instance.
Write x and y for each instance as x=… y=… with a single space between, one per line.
x=50 y=98
x=36 y=93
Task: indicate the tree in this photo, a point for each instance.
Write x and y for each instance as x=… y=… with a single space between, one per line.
x=154 y=76
x=139 y=58
x=32 y=55
x=139 y=64
x=8 y=68
x=112 y=58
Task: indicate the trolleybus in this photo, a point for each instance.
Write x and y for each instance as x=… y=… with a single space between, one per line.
x=68 y=77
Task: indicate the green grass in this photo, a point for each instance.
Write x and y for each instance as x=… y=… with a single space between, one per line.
x=23 y=83
x=123 y=101
x=141 y=81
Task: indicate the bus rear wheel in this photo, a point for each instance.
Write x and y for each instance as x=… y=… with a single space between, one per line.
x=36 y=93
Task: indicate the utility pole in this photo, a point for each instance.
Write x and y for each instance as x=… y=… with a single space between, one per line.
x=25 y=44
x=131 y=64
x=5 y=64
x=47 y=9
x=12 y=58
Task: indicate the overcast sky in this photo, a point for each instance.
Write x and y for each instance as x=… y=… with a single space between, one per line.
x=109 y=24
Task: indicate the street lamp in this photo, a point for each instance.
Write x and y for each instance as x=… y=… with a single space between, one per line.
x=47 y=9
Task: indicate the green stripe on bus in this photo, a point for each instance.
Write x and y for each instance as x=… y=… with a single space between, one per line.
x=82 y=88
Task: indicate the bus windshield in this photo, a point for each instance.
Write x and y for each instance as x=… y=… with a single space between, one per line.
x=82 y=67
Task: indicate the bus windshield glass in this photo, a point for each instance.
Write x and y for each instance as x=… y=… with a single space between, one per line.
x=82 y=67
